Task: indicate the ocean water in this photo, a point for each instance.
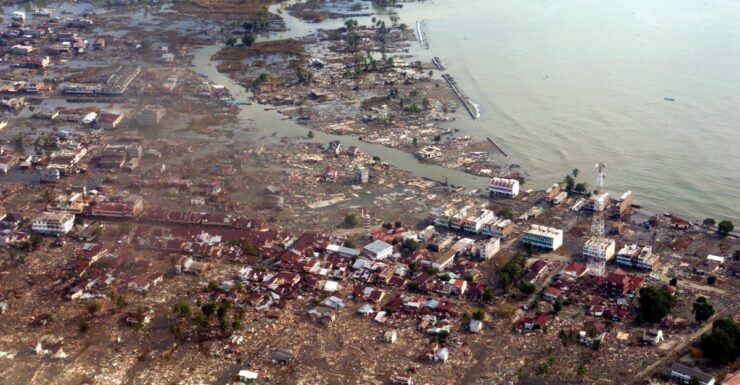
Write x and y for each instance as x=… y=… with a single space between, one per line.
x=564 y=84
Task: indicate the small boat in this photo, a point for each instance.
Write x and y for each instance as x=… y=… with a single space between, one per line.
x=667 y=99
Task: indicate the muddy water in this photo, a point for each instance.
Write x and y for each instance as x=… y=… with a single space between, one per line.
x=564 y=84
x=263 y=124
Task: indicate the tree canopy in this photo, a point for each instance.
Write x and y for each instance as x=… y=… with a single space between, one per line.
x=654 y=304
x=409 y=246
x=722 y=344
x=351 y=220
x=725 y=227
x=512 y=270
x=248 y=39
x=505 y=212
x=702 y=310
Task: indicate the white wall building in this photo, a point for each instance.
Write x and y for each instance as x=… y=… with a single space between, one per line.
x=474 y=223
x=489 y=248
x=638 y=257
x=53 y=223
x=597 y=202
x=503 y=186
x=596 y=248
x=544 y=237
x=683 y=374
x=378 y=250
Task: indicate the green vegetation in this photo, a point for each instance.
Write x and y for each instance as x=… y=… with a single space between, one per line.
x=350 y=243
x=505 y=212
x=529 y=248
x=249 y=249
x=92 y=307
x=526 y=288
x=121 y=302
x=725 y=227
x=230 y=42
x=488 y=295
x=512 y=270
x=409 y=246
x=673 y=282
x=182 y=308
x=581 y=371
x=557 y=306
x=310 y=135
x=413 y=109
x=722 y=344
x=570 y=182
x=208 y=309
x=709 y=222
x=478 y=314
x=655 y=304
x=260 y=79
x=581 y=187
x=711 y=280
x=351 y=221
x=248 y=39
x=702 y=310
x=83 y=326
x=199 y=320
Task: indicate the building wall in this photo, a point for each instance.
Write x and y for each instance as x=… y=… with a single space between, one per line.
x=52 y=226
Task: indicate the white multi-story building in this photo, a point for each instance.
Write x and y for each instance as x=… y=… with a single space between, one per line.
x=597 y=202
x=474 y=222
x=489 y=248
x=544 y=237
x=440 y=216
x=378 y=250
x=53 y=223
x=499 y=228
x=637 y=257
x=503 y=186
x=684 y=374
x=599 y=248
x=458 y=219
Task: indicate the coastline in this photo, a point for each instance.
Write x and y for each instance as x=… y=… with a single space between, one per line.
x=647 y=211
x=234 y=198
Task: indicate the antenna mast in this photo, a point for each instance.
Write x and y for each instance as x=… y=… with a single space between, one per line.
x=597 y=266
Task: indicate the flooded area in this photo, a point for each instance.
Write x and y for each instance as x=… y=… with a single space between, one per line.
x=262 y=125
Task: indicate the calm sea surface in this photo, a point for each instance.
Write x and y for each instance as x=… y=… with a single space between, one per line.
x=567 y=83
